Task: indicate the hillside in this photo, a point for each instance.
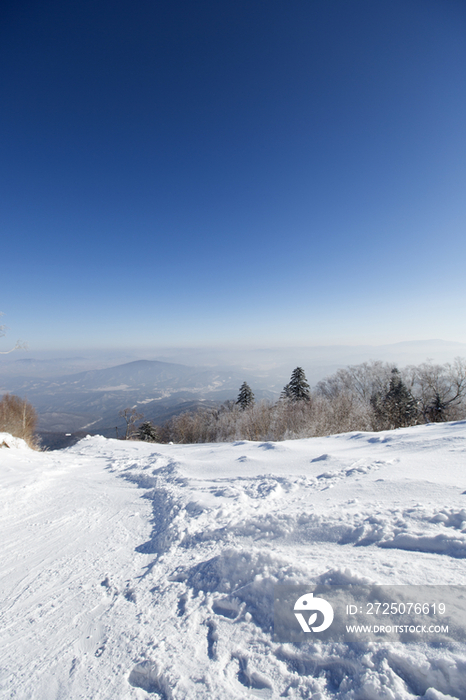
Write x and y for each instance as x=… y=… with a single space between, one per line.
x=92 y=400
x=132 y=570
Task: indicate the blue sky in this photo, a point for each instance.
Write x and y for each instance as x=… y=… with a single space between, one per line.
x=240 y=172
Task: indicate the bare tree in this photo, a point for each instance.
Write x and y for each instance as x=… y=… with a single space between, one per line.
x=131 y=416
x=18 y=418
x=19 y=345
x=439 y=389
x=361 y=381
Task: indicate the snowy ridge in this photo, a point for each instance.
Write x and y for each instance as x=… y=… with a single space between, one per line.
x=147 y=571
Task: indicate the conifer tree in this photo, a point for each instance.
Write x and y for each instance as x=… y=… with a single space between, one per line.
x=297 y=389
x=147 y=432
x=395 y=408
x=245 y=397
x=436 y=411
x=286 y=392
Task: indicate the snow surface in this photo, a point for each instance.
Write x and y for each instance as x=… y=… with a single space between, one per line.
x=132 y=570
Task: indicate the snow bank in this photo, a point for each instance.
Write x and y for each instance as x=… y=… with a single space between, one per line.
x=164 y=560
x=8 y=441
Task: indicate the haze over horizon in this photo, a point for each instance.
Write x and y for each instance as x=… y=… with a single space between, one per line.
x=272 y=362
x=179 y=174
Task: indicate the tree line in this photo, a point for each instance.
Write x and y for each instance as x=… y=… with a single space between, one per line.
x=371 y=396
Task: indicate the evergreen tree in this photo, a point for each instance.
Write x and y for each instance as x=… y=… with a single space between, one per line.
x=245 y=397
x=396 y=407
x=436 y=411
x=147 y=432
x=286 y=394
x=297 y=389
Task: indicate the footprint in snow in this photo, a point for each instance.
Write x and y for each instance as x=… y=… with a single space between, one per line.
x=146 y=676
x=252 y=679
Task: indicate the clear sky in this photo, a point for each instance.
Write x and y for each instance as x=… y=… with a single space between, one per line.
x=210 y=172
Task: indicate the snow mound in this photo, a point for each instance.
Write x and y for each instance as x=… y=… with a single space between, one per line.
x=8 y=441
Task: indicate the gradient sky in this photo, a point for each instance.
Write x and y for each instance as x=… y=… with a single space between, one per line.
x=214 y=172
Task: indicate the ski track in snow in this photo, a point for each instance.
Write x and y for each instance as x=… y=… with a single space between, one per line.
x=146 y=571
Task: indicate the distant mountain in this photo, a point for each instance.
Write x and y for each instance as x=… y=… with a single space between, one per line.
x=92 y=400
x=148 y=375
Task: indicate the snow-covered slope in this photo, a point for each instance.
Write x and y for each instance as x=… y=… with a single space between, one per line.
x=131 y=570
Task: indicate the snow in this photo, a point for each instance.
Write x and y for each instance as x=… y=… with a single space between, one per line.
x=132 y=570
